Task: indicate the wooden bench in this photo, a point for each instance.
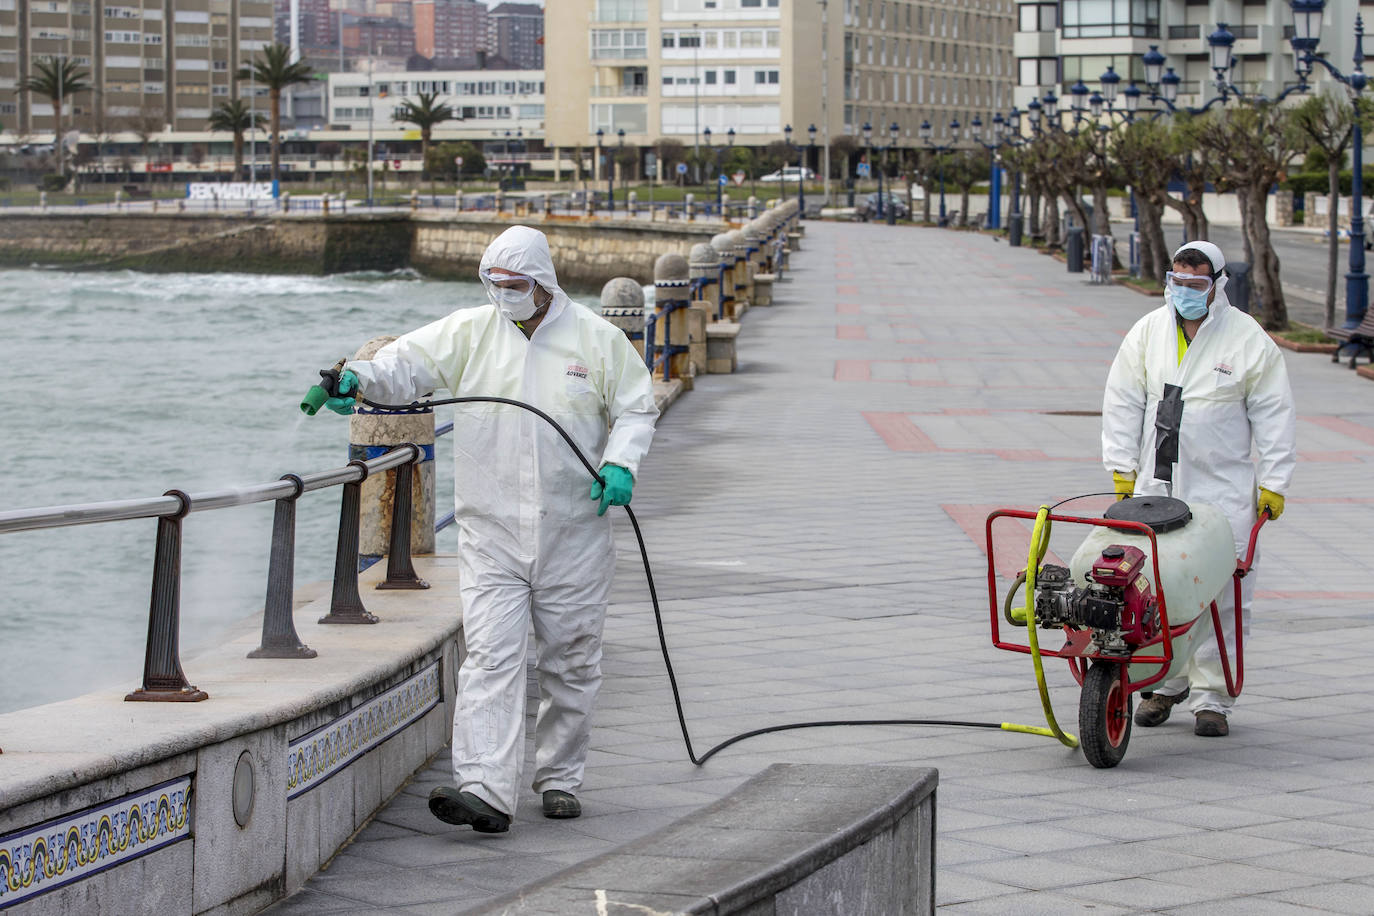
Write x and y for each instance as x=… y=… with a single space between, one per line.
x=796 y=838
x=1359 y=339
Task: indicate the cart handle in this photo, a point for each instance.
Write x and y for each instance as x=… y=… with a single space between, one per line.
x=1243 y=566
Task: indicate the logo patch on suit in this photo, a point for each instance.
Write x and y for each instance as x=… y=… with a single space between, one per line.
x=1222 y=368
x=577 y=371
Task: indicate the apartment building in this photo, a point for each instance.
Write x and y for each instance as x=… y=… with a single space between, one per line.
x=448 y=29
x=515 y=32
x=672 y=68
x=151 y=63
x=1059 y=43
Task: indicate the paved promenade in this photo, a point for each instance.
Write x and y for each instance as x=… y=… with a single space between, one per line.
x=811 y=521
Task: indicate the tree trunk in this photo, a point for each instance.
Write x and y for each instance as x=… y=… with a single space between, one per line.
x=1034 y=211
x=963 y=207
x=1264 y=268
x=1101 y=220
x=238 y=154
x=1333 y=242
x=424 y=155
x=926 y=206
x=275 y=96
x=1152 y=238
x=1243 y=199
x=1052 y=220
x=1076 y=205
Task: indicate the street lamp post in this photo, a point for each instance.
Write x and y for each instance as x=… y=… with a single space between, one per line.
x=975 y=132
x=927 y=135
x=877 y=166
x=787 y=137
x=1307 y=24
x=1016 y=222
x=620 y=153
x=892 y=131
x=600 y=160
x=801 y=178
x=720 y=170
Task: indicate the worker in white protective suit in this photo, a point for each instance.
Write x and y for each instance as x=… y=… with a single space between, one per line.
x=1219 y=374
x=533 y=549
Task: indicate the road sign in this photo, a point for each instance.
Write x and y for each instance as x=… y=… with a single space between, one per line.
x=395 y=163
x=724 y=181
x=863 y=170
x=739 y=178
x=458 y=161
x=682 y=168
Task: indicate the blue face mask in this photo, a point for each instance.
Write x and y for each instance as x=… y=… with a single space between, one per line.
x=1190 y=303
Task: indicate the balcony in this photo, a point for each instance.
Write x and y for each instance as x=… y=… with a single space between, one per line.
x=616 y=92
x=1184 y=32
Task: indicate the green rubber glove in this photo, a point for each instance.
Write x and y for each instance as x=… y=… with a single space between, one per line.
x=344 y=405
x=620 y=485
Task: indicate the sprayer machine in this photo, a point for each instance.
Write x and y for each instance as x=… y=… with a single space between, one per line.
x=1139 y=593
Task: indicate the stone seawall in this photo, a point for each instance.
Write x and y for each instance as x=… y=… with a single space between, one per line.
x=587 y=252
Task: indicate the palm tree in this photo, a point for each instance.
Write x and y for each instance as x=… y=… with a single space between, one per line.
x=59 y=79
x=234 y=116
x=274 y=69
x=424 y=114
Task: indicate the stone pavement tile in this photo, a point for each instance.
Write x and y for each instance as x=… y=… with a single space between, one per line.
x=1228 y=845
x=1033 y=904
x=952 y=887
x=381 y=830
x=404 y=886
x=1122 y=826
x=1327 y=832
x=1239 y=877
x=1254 y=905
x=1295 y=804
x=1144 y=893
x=1027 y=838
x=309 y=900
x=1329 y=863
x=414 y=850
x=1337 y=897
x=621 y=828
x=1037 y=872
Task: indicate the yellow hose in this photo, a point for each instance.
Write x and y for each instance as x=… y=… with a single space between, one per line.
x=1040 y=542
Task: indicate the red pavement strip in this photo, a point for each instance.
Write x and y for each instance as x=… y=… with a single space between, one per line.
x=851 y=332
x=1010 y=537
x=848 y=308
x=1344 y=427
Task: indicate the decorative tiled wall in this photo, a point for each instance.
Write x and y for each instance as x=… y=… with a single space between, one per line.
x=38 y=859
x=313 y=758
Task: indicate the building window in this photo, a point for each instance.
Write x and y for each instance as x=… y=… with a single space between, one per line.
x=728 y=77
x=1039 y=71
x=622 y=10
x=611 y=43
x=1039 y=17
x=710 y=77
x=1110 y=18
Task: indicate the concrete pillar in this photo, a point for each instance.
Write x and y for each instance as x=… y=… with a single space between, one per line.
x=500 y=204
x=672 y=292
x=371 y=434
x=414 y=200
x=744 y=273
x=546 y=206
x=458 y=201
x=324 y=204
x=622 y=304
x=286 y=202
x=632 y=203
x=753 y=207
x=725 y=258
x=588 y=204
x=119 y=199
x=690 y=206
x=43 y=200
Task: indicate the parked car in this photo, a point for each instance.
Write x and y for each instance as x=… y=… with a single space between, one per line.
x=790 y=173
x=867 y=208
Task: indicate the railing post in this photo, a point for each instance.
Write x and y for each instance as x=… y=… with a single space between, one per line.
x=622 y=304
x=163 y=679
x=279 y=639
x=346 y=605
x=672 y=290
x=400 y=571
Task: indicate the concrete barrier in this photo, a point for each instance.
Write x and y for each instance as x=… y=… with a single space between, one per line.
x=852 y=840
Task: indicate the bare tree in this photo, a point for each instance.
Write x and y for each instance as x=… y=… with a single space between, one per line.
x=1253 y=145
x=1141 y=151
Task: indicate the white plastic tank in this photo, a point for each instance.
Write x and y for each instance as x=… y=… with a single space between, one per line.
x=1196 y=560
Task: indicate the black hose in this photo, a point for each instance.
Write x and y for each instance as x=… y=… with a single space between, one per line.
x=653 y=593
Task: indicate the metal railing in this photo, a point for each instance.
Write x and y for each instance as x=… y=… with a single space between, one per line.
x=163 y=677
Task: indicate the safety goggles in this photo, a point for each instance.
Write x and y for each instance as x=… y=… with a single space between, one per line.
x=1188 y=281
x=518 y=284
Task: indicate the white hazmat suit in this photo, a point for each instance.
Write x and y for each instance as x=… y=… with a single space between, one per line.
x=1236 y=397
x=531 y=546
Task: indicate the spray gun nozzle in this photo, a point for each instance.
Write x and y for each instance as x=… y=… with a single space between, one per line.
x=327 y=388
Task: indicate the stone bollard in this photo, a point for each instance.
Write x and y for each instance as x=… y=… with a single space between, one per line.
x=500 y=200
x=753 y=209
x=458 y=201
x=369 y=435
x=672 y=298
x=343 y=202
x=704 y=266
x=689 y=207
x=632 y=204
x=414 y=200
x=744 y=273
x=622 y=304
x=119 y=199
x=725 y=257
x=42 y=200
x=286 y=202
x=181 y=205
x=324 y=204
x=588 y=204
x=546 y=205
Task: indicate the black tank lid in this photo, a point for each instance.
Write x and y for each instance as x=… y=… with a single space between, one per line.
x=1161 y=513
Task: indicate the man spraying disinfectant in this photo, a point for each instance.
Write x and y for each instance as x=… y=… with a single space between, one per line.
x=533 y=549
x=1196 y=385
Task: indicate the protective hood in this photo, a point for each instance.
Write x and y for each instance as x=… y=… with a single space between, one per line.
x=524 y=251
x=1219 y=301
x=1212 y=252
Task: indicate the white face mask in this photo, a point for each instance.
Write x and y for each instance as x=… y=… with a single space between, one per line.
x=513 y=295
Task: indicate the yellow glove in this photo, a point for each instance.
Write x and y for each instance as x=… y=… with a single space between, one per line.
x=1272 y=501
x=1125 y=484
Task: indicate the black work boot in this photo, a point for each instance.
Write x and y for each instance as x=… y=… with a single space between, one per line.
x=560 y=804
x=1156 y=708
x=1209 y=724
x=454 y=807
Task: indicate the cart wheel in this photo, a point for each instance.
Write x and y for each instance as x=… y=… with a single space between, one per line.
x=1104 y=715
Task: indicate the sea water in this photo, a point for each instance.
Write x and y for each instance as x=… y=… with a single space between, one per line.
x=125 y=385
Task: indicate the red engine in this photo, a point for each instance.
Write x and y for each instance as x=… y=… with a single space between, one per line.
x=1117 y=602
